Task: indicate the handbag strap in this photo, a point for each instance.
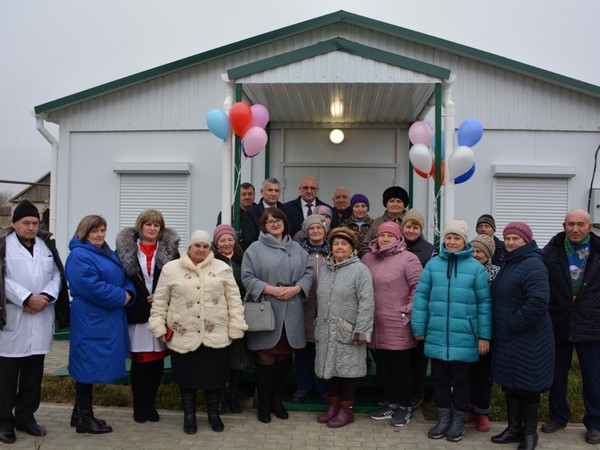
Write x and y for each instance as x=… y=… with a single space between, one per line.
x=245 y=299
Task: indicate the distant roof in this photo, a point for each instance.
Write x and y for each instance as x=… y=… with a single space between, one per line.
x=318 y=22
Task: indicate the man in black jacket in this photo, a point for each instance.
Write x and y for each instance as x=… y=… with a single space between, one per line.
x=573 y=259
x=306 y=204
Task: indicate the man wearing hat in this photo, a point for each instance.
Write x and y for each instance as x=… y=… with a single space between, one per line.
x=487 y=225
x=33 y=283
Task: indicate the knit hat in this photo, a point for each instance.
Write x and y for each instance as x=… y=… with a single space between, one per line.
x=199 y=236
x=415 y=216
x=389 y=227
x=311 y=220
x=458 y=227
x=25 y=209
x=324 y=211
x=486 y=218
x=395 y=192
x=222 y=229
x=520 y=229
x=344 y=233
x=359 y=198
x=484 y=243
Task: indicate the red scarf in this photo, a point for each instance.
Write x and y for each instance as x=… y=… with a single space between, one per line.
x=148 y=250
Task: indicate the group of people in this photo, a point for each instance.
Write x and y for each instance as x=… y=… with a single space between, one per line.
x=340 y=285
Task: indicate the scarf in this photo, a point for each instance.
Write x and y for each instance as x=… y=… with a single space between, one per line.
x=148 y=250
x=311 y=248
x=577 y=256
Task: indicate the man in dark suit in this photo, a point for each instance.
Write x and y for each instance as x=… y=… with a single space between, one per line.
x=298 y=209
x=270 y=191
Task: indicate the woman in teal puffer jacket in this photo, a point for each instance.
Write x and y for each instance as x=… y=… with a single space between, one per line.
x=452 y=314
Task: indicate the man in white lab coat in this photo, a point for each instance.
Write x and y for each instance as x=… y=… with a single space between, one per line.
x=32 y=283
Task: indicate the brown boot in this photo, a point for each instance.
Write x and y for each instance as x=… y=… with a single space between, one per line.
x=344 y=416
x=334 y=406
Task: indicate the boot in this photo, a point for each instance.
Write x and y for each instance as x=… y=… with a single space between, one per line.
x=334 y=406
x=444 y=417
x=344 y=417
x=154 y=377
x=86 y=423
x=75 y=415
x=530 y=411
x=514 y=431
x=457 y=426
x=277 y=387
x=235 y=383
x=138 y=381
x=212 y=397
x=264 y=376
x=188 y=401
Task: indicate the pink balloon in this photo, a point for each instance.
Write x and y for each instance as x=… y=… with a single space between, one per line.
x=260 y=116
x=254 y=141
x=420 y=133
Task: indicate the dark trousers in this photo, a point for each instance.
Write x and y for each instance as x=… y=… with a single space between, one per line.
x=304 y=370
x=419 y=365
x=451 y=384
x=344 y=388
x=396 y=374
x=481 y=386
x=589 y=361
x=20 y=389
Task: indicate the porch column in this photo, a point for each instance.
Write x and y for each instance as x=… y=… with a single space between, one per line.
x=449 y=126
x=226 y=160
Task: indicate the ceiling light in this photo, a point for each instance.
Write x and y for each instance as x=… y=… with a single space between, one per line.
x=336 y=136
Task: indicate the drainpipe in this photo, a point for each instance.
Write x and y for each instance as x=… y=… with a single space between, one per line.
x=449 y=122
x=227 y=157
x=39 y=119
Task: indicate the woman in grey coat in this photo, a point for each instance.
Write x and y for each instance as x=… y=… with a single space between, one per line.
x=343 y=326
x=277 y=268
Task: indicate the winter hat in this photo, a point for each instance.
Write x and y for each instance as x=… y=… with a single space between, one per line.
x=458 y=227
x=484 y=243
x=415 y=216
x=344 y=233
x=25 y=209
x=395 y=192
x=520 y=229
x=222 y=229
x=389 y=227
x=311 y=220
x=359 y=198
x=324 y=211
x=486 y=218
x=199 y=236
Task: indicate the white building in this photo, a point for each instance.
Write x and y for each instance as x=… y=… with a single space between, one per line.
x=142 y=141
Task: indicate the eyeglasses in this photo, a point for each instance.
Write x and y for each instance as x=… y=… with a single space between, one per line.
x=274 y=222
x=309 y=188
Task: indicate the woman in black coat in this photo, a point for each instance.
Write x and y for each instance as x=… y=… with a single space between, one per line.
x=523 y=352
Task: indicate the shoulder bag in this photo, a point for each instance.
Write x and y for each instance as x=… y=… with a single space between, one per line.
x=258 y=315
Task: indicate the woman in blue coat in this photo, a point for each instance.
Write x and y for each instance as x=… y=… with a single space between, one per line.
x=99 y=343
x=523 y=353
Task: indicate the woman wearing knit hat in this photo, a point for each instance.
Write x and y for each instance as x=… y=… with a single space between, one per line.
x=197 y=310
x=395 y=273
x=452 y=314
x=395 y=200
x=359 y=221
x=523 y=357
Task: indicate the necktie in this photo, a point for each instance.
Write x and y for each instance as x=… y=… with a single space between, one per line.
x=309 y=209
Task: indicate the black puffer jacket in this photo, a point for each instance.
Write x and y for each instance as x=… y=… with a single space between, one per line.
x=575 y=321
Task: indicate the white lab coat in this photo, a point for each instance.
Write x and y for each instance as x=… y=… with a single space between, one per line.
x=28 y=334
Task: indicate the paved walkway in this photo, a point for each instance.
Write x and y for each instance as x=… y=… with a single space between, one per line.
x=244 y=431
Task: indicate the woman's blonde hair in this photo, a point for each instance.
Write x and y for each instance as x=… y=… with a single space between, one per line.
x=87 y=224
x=150 y=216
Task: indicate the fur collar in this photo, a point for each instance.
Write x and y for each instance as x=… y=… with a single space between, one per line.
x=127 y=249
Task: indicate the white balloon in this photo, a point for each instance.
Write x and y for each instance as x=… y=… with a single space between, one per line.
x=421 y=157
x=461 y=160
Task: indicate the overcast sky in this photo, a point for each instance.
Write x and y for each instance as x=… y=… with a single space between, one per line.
x=53 y=48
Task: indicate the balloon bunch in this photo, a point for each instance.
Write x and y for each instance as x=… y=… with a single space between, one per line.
x=461 y=164
x=248 y=122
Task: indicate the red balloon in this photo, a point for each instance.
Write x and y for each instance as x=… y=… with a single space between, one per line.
x=432 y=173
x=421 y=174
x=240 y=118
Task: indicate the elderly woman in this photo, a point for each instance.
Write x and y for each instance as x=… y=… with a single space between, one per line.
x=100 y=291
x=359 y=221
x=343 y=326
x=395 y=273
x=143 y=250
x=523 y=353
x=197 y=311
x=277 y=269
x=395 y=200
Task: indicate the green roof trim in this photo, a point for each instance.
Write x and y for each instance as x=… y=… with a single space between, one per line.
x=339 y=44
x=311 y=24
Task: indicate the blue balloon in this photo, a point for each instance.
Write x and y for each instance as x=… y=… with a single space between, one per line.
x=470 y=132
x=465 y=176
x=443 y=144
x=218 y=123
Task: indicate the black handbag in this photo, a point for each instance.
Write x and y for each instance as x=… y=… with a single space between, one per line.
x=258 y=315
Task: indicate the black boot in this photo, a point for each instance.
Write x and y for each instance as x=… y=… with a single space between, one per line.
x=280 y=371
x=188 y=401
x=235 y=382
x=86 y=423
x=264 y=376
x=457 y=426
x=444 y=419
x=514 y=431
x=75 y=415
x=212 y=409
x=530 y=410
x=138 y=381
x=154 y=377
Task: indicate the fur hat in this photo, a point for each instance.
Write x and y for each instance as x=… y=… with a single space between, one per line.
x=311 y=220
x=484 y=243
x=25 y=209
x=520 y=229
x=324 y=211
x=359 y=198
x=199 y=236
x=344 y=233
x=487 y=218
x=222 y=229
x=458 y=227
x=395 y=192
x=415 y=216
x=389 y=227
